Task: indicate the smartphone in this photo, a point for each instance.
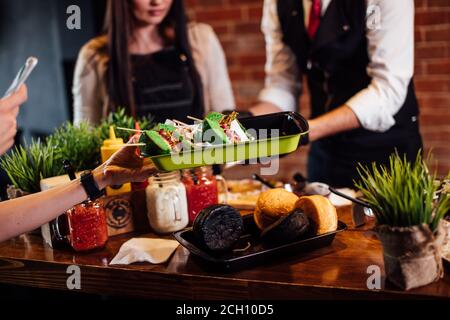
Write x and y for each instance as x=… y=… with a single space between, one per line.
x=22 y=75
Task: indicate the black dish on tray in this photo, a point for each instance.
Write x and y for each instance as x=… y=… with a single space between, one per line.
x=294 y=226
x=218 y=227
x=251 y=249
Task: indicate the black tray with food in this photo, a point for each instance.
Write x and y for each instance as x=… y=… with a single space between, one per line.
x=251 y=248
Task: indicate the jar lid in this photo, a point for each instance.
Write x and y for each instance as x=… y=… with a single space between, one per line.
x=166 y=177
x=205 y=170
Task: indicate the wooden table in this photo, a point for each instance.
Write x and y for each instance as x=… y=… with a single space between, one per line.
x=336 y=272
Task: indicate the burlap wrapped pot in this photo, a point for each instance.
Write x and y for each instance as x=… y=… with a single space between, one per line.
x=412 y=255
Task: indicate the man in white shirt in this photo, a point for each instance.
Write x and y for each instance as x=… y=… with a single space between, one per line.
x=358 y=59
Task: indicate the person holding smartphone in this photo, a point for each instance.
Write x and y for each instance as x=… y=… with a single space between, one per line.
x=9 y=109
x=15 y=218
x=124 y=166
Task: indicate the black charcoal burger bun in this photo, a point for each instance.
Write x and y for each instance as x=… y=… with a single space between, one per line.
x=294 y=226
x=218 y=227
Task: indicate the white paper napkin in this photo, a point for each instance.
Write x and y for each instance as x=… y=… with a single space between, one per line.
x=145 y=250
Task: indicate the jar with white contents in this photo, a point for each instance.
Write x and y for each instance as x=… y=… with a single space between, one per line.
x=167 y=207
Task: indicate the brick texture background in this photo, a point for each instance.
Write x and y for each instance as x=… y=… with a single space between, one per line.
x=237 y=23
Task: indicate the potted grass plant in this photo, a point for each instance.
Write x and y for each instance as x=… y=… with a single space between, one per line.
x=27 y=165
x=408 y=212
x=120 y=119
x=78 y=143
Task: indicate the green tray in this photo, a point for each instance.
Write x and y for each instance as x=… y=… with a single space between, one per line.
x=277 y=134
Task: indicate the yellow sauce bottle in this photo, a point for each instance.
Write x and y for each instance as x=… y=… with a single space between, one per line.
x=110 y=146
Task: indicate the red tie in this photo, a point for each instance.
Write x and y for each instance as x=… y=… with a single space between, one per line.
x=314 y=18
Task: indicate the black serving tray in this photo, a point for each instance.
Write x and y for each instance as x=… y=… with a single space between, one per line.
x=258 y=252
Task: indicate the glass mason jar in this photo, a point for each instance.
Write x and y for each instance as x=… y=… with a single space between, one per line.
x=87 y=227
x=166 y=203
x=55 y=228
x=201 y=189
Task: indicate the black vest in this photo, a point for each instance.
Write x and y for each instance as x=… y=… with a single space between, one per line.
x=335 y=64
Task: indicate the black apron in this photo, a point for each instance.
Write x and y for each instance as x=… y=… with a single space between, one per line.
x=335 y=65
x=163 y=86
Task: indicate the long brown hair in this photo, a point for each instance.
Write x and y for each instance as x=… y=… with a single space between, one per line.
x=119 y=27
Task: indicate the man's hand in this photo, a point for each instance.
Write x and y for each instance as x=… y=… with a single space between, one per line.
x=264 y=108
x=124 y=166
x=333 y=122
x=9 y=109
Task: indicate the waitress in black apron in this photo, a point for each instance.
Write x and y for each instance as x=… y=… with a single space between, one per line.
x=150 y=61
x=169 y=92
x=158 y=59
x=357 y=57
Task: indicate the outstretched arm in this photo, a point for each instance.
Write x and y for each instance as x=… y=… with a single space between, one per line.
x=333 y=122
x=27 y=213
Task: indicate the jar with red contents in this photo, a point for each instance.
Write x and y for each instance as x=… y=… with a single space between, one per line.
x=88 y=228
x=201 y=189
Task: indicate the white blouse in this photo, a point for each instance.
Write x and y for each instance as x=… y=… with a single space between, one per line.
x=91 y=102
